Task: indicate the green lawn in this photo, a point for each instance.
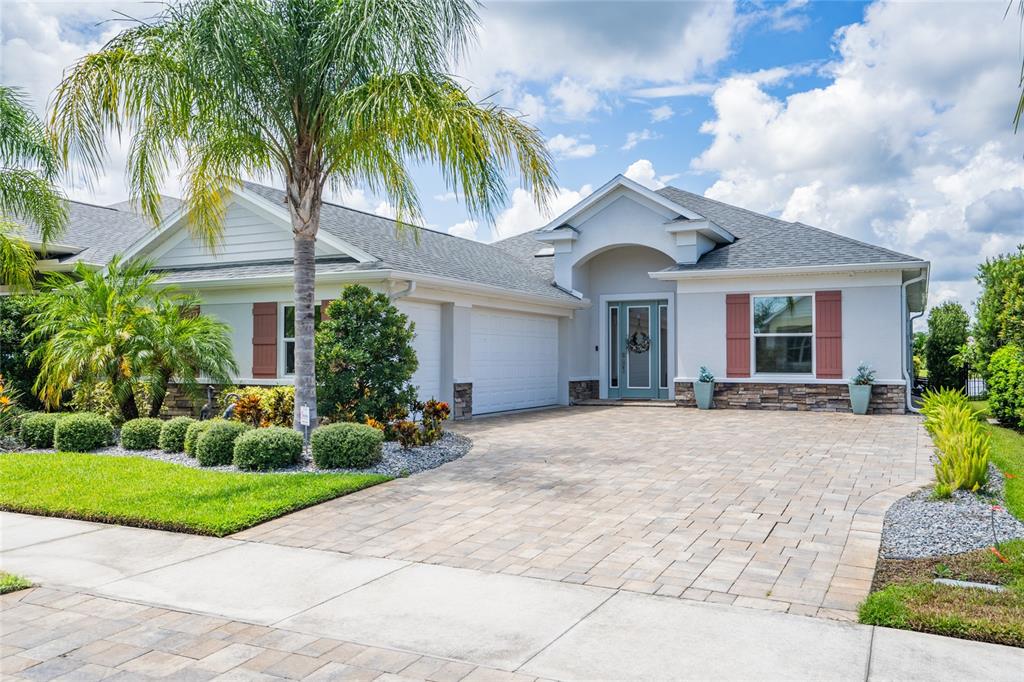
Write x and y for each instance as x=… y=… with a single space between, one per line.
x=12 y=583
x=136 y=491
x=909 y=599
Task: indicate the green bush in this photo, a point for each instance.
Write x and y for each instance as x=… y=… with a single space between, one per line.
x=37 y=429
x=192 y=433
x=274 y=447
x=216 y=445
x=346 y=446
x=963 y=448
x=947 y=334
x=172 y=434
x=141 y=434
x=1005 y=386
x=82 y=432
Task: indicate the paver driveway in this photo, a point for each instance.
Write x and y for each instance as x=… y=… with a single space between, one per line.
x=763 y=509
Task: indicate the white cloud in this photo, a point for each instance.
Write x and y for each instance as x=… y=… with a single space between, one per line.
x=906 y=146
x=661 y=113
x=466 y=229
x=566 y=147
x=635 y=137
x=522 y=215
x=575 y=100
x=642 y=171
x=446 y=197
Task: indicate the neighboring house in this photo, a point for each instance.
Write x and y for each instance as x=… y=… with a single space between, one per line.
x=625 y=296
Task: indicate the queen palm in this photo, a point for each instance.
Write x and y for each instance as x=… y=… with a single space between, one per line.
x=28 y=166
x=319 y=93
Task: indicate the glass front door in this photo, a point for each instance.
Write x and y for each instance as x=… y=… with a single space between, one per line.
x=637 y=342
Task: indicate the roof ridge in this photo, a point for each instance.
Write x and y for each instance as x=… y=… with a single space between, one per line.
x=726 y=205
x=86 y=203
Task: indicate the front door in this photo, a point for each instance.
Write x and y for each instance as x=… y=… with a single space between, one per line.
x=637 y=349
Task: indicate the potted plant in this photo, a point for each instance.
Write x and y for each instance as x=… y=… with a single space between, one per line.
x=860 y=388
x=704 y=388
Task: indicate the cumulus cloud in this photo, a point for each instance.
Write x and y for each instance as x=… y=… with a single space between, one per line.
x=906 y=145
x=466 y=229
x=445 y=197
x=661 y=113
x=642 y=171
x=566 y=147
x=575 y=99
x=522 y=215
x=635 y=137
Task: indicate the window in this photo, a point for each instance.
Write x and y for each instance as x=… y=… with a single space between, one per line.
x=288 y=335
x=613 y=344
x=783 y=334
x=663 y=344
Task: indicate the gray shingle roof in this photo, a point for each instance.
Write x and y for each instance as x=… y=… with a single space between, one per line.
x=765 y=242
x=257 y=270
x=436 y=253
x=100 y=231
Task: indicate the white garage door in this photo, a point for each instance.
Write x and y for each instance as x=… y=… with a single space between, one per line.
x=427 y=343
x=514 y=361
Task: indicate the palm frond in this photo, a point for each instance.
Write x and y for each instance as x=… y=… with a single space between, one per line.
x=17 y=260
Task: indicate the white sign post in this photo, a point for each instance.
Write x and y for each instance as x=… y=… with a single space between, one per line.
x=304 y=420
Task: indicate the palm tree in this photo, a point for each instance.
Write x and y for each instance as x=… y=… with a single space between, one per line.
x=321 y=93
x=1020 y=104
x=91 y=328
x=182 y=344
x=28 y=166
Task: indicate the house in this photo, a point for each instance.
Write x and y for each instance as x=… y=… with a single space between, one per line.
x=625 y=296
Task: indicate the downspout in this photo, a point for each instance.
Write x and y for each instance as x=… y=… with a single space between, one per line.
x=410 y=287
x=907 y=353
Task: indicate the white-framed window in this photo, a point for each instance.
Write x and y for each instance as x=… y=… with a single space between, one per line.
x=783 y=334
x=288 y=334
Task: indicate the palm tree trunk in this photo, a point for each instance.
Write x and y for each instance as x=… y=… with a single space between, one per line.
x=305 y=369
x=158 y=392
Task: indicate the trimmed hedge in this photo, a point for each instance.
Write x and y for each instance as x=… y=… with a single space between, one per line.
x=1006 y=385
x=216 y=444
x=37 y=429
x=82 y=432
x=346 y=446
x=192 y=433
x=274 y=447
x=172 y=434
x=141 y=434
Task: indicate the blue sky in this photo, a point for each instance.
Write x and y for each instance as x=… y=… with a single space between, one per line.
x=885 y=121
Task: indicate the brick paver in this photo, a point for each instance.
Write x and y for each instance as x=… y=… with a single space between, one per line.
x=780 y=511
x=51 y=634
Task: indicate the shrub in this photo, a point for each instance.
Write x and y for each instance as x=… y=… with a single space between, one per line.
x=947 y=333
x=1005 y=385
x=82 y=432
x=259 y=406
x=37 y=429
x=274 y=447
x=192 y=433
x=216 y=445
x=346 y=446
x=963 y=447
x=172 y=435
x=364 y=357
x=141 y=434
x=435 y=412
x=407 y=433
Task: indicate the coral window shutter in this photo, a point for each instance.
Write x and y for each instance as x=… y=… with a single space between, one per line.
x=737 y=335
x=264 y=340
x=828 y=334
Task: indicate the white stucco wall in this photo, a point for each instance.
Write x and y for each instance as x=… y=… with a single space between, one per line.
x=871 y=320
x=618 y=271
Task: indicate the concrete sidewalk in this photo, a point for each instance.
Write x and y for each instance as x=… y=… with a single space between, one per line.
x=536 y=628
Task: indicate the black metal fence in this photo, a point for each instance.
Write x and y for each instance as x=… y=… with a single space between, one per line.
x=975 y=386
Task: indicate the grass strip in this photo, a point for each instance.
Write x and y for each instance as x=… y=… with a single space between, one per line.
x=12 y=583
x=136 y=491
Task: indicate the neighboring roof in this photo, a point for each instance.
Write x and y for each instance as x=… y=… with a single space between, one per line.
x=763 y=242
x=99 y=231
x=434 y=253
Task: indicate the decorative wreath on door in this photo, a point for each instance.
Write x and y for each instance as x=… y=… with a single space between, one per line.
x=638 y=342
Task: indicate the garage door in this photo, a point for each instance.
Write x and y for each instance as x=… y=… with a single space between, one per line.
x=427 y=343
x=514 y=361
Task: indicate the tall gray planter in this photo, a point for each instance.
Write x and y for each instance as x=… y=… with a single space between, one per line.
x=704 y=391
x=860 y=398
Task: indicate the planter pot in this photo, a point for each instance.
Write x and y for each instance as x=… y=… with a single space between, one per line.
x=704 y=391
x=860 y=398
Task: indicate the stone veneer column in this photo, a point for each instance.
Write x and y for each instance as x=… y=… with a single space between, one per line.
x=461 y=360
x=462 y=407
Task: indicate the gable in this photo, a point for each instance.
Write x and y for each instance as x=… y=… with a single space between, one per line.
x=247 y=237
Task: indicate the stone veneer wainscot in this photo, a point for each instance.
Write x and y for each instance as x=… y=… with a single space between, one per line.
x=885 y=398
